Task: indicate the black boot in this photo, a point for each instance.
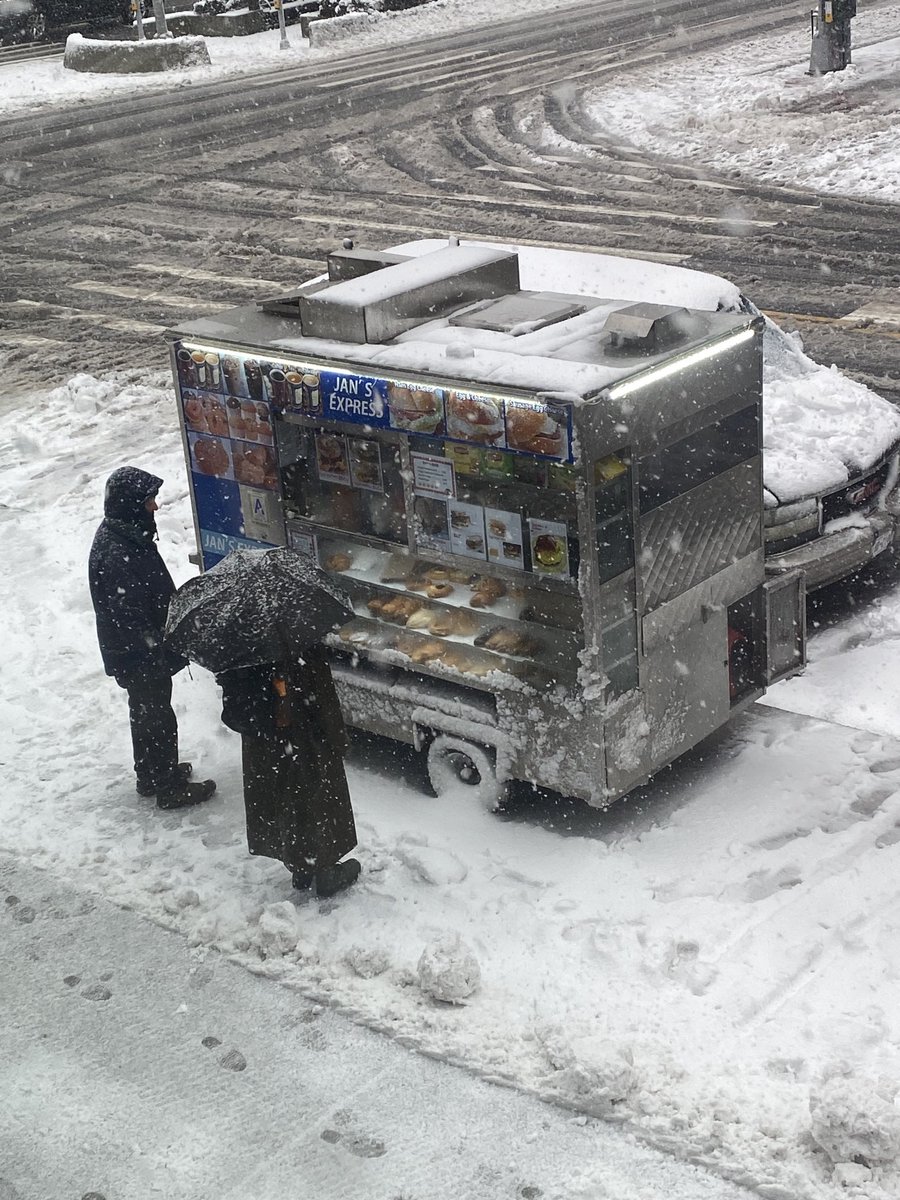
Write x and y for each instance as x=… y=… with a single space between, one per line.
x=183 y=773
x=185 y=795
x=330 y=880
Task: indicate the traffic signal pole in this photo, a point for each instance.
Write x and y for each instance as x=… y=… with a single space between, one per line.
x=830 y=27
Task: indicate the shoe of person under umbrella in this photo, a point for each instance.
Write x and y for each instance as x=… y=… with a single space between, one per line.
x=185 y=795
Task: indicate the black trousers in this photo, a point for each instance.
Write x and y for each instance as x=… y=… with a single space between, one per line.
x=154 y=728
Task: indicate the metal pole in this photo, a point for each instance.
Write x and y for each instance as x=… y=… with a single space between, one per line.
x=284 y=44
x=136 y=7
x=159 y=13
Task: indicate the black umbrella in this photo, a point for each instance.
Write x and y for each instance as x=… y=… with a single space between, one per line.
x=255 y=606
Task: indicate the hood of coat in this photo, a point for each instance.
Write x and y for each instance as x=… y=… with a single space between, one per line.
x=127 y=491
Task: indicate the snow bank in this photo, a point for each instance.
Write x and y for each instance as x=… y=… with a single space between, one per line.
x=134 y=58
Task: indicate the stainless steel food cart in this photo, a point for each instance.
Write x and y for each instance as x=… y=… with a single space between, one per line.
x=546 y=507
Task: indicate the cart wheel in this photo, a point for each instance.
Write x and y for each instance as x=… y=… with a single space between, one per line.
x=453 y=762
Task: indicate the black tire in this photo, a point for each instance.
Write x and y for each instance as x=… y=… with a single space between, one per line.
x=455 y=764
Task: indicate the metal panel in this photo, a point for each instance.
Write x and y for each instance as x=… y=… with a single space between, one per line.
x=719 y=591
x=699 y=533
x=382 y=304
x=785 y=626
x=685 y=705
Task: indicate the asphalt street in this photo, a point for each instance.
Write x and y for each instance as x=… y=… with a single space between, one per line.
x=132 y=1066
x=118 y=218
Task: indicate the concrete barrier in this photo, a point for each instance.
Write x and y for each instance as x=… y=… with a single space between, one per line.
x=226 y=25
x=131 y=58
x=340 y=29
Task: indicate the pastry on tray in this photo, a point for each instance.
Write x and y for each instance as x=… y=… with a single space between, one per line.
x=400 y=608
x=458 y=622
x=339 y=561
x=508 y=641
x=462 y=659
x=428 y=651
x=420 y=619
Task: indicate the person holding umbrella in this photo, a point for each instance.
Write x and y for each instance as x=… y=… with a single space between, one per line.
x=130 y=588
x=255 y=619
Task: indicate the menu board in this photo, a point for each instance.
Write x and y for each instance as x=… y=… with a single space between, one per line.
x=365 y=465
x=494 y=423
x=466 y=529
x=433 y=476
x=549 y=545
x=332 y=458
x=503 y=532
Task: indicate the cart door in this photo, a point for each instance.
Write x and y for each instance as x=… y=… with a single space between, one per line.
x=785 y=625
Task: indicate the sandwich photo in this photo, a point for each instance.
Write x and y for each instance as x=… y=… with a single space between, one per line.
x=536 y=430
x=416 y=409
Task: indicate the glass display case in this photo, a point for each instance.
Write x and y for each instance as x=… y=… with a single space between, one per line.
x=460 y=560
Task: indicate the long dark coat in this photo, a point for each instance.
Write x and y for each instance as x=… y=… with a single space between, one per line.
x=129 y=582
x=295 y=787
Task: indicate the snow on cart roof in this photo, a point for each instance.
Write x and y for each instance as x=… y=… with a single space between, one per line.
x=570 y=356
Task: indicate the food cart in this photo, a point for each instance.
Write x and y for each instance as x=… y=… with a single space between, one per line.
x=547 y=508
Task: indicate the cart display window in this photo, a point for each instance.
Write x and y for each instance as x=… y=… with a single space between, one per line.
x=343 y=482
x=505 y=509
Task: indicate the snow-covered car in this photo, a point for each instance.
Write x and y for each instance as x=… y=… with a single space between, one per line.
x=830 y=444
x=33 y=20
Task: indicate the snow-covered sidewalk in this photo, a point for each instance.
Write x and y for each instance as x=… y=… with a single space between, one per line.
x=750 y=108
x=699 y=964
x=134 y=1066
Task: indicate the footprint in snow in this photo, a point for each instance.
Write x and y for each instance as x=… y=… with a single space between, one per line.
x=760 y=885
x=231 y=1060
x=96 y=991
x=884 y=766
x=361 y=1145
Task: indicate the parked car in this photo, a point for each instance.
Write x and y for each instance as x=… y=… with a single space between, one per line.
x=831 y=445
x=36 y=20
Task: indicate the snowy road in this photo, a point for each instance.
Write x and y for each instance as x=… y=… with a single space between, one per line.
x=120 y=216
x=134 y=1066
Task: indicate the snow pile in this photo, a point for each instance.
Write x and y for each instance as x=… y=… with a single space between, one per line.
x=856 y=1120
x=688 y=963
x=751 y=108
x=448 y=970
x=592 y=1068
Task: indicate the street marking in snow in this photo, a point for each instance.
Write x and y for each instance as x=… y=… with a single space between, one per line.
x=525 y=187
x=390 y=72
x=60 y=312
x=133 y=293
x=200 y=276
x=596 y=69
x=544 y=243
x=842 y=322
x=593 y=210
x=27 y=339
x=879 y=312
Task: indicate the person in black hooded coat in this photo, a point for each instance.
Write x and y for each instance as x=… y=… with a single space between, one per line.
x=130 y=589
